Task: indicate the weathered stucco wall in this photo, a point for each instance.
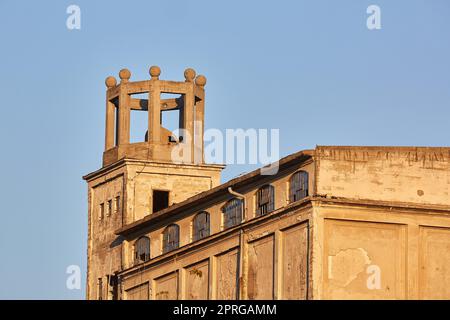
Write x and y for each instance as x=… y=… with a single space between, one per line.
x=185 y=222
x=383 y=225
x=103 y=256
x=255 y=262
x=401 y=174
x=380 y=252
x=377 y=226
x=182 y=182
x=133 y=183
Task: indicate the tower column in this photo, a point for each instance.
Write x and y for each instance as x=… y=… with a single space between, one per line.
x=124 y=108
x=154 y=107
x=199 y=128
x=110 y=116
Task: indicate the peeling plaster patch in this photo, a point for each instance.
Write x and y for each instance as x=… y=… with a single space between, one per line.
x=345 y=266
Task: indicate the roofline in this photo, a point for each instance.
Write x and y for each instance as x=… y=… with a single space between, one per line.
x=123 y=161
x=389 y=148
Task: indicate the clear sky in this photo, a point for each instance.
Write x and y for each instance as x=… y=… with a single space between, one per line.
x=309 y=68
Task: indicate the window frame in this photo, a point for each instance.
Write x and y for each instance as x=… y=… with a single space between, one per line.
x=267 y=207
x=237 y=217
x=301 y=190
x=101 y=211
x=138 y=254
x=153 y=196
x=109 y=207
x=198 y=234
x=166 y=246
x=117 y=203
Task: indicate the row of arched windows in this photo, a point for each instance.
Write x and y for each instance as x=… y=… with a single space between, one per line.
x=171 y=237
x=232 y=215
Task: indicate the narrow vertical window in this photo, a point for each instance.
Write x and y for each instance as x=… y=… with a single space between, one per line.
x=200 y=226
x=109 y=208
x=171 y=238
x=232 y=213
x=101 y=211
x=142 y=250
x=100 y=288
x=117 y=204
x=298 y=186
x=265 y=200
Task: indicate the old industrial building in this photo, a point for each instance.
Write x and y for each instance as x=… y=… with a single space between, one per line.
x=335 y=222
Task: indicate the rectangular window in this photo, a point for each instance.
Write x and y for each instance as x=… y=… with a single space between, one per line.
x=298 y=188
x=101 y=211
x=109 y=208
x=232 y=213
x=117 y=204
x=171 y=238
x=265 y=200
x=100 y=288
x=160 y=200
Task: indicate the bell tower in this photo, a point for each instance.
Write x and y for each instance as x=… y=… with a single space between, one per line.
x=138 y=179
x=159 y=142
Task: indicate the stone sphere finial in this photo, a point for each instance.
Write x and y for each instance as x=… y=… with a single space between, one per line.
x=124 y=75
x=200 y=80
x=155 y=71
x=110 y=82
x=189 y=74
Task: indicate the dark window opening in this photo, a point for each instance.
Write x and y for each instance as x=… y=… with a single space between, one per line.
x=298 y=186
x=142 y=250
x=265 y=200
x=100 y=288
x=171 y=238
x=160 y=200
x=232 y=213
x=201 y=226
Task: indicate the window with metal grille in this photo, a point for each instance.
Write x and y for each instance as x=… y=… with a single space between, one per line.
x=200 y=226
x=232 y=213
x=298 y=186
x=171 y=238
x=142 y=250
x=265 y=201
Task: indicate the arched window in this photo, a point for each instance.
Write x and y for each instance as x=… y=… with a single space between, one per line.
x=171 y=238
x=298 y=186
x=265 y=201
x=200 y=226
x=142 y=250
x=232 y=213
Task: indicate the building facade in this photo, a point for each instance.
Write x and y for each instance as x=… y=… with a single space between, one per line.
x=335 y=222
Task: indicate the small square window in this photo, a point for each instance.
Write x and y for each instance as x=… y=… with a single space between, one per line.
x=160 y=200
x=101 y=211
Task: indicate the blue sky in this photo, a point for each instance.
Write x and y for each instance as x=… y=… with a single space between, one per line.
x=309 y=68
